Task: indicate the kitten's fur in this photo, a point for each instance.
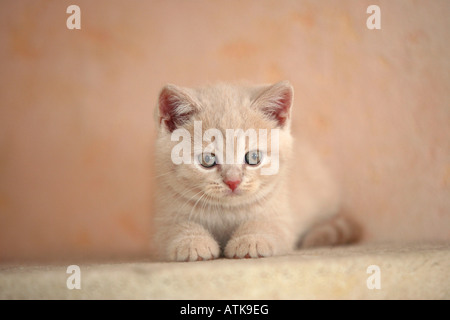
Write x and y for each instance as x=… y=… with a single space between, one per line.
x=197 y=215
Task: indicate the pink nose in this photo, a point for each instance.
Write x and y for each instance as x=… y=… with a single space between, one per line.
x=233 y=184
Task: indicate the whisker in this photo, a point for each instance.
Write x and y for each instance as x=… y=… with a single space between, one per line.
x=166 y=173
x=205 y=202
x=188 y=200
x=185 y=192
x=193 y=208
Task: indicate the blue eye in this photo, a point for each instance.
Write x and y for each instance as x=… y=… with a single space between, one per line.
x=207 y=160
x=253 y=158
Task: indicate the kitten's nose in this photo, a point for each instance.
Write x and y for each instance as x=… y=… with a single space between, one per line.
x=233 y=184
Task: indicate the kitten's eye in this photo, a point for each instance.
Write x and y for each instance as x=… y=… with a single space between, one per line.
x=253 y=158
x=207 y=160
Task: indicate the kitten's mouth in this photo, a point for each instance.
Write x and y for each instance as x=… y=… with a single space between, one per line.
x=234 y=193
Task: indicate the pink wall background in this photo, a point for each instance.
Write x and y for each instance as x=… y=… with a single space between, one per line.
x=76 y=110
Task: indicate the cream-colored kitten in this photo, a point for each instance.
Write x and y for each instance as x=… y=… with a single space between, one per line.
x=206 y=206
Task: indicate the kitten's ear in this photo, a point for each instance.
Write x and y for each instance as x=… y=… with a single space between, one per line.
x=276 y=101
x=176 y=106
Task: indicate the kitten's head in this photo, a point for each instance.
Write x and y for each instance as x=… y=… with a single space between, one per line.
x=235 y=141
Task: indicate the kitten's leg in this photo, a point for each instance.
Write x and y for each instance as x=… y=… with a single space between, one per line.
x=255 y=239
x=190 y=241
x=334 y=231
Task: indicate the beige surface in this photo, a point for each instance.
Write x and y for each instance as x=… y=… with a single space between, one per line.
x=76 y=127
x=419 y=271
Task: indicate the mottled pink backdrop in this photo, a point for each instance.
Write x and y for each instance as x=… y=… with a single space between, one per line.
x=76 y=112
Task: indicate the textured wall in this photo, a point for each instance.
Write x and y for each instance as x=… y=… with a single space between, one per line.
x=76 y=126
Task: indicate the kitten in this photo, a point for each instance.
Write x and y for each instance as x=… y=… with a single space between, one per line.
x=208 y=207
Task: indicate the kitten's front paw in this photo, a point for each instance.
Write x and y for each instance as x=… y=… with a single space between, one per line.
x=250 y=246
x=194 y=248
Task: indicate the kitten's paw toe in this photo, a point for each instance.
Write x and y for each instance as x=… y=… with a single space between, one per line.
x=196 y=248
x=249 y=246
